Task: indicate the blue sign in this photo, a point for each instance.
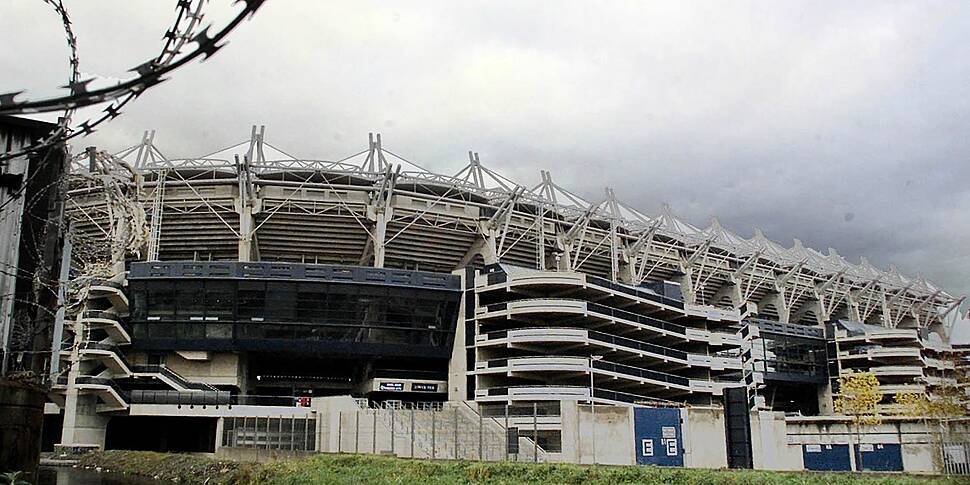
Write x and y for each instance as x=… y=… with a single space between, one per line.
x=879 y=457
x=658 y=436
x=826 y=457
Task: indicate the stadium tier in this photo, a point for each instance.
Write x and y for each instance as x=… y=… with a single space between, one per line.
x=252 y=277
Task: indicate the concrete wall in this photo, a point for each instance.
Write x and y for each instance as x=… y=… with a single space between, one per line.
x=329 y=424
x=769 y=443
x=705 y=438
x=456 y=432
x=216 y=368
x=612 y=442
x=919 y=444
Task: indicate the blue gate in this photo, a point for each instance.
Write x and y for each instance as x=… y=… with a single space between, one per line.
x=880 y=457
x=826 y=457
x=658 y=436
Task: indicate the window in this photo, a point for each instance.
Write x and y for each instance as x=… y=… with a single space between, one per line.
x=252 y=300
x=311 y=303
x=281 y=301
x=190 y=300
x=161 y=300
x=139 y=301
x=219 y=300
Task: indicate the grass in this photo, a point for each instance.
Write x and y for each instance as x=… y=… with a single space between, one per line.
x=355 y=469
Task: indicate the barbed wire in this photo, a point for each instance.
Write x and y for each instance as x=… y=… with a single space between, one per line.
x=175 y=53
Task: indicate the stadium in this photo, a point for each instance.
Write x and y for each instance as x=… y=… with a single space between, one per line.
x=247 y=284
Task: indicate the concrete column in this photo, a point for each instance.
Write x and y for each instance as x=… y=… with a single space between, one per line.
x=852 y=306
x=245 y=232
x=380 y=234
x=732 y=291
x=627 y=270
x=686 y=281
x=826 y=405
x=778 y=300
x=490 y=247
x=811 y=306
x=82 y=423
x=457 y=365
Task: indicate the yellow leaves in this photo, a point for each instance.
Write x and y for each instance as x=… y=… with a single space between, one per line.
x=945 y=403
x=910 y=404
x=858 y=396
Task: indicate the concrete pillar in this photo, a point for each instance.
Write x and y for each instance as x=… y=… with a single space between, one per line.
x=571 y=438
x=732 y=291
x=812 y=306
x=458 y=365
x=852 y=307
x=826 y=405
x=83 y=426
x=245 y=232
x=686 y=280
x=380 y=234
x=778 y=301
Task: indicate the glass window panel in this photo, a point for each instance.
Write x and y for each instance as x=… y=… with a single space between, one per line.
x=252 y=300
x=189 y=300
x=139 y=300
x=311 y=304
x=220 y=298
x=161 y=300
x=280 y=301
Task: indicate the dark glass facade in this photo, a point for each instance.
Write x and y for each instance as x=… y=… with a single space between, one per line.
x=336 y=318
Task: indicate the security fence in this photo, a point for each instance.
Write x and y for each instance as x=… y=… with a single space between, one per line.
x=956 y=458
x=283 y=433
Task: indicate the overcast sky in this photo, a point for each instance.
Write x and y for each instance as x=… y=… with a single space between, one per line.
x=844 y=124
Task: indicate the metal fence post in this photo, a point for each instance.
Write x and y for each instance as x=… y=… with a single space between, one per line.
x=456 y=433
x=256 y=438
x=392 y=432
x=506 y=432
x=433 y=444
x=357 y=431
x=535 y=432
x=268 y=439
x=481 y=440
x=340 y=422
x=374 y=448
x=412 y=432
x=306 y=434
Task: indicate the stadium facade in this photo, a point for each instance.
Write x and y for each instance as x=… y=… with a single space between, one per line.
x=250 y=281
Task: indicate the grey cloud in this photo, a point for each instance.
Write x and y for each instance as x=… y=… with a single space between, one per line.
x=788 y=117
